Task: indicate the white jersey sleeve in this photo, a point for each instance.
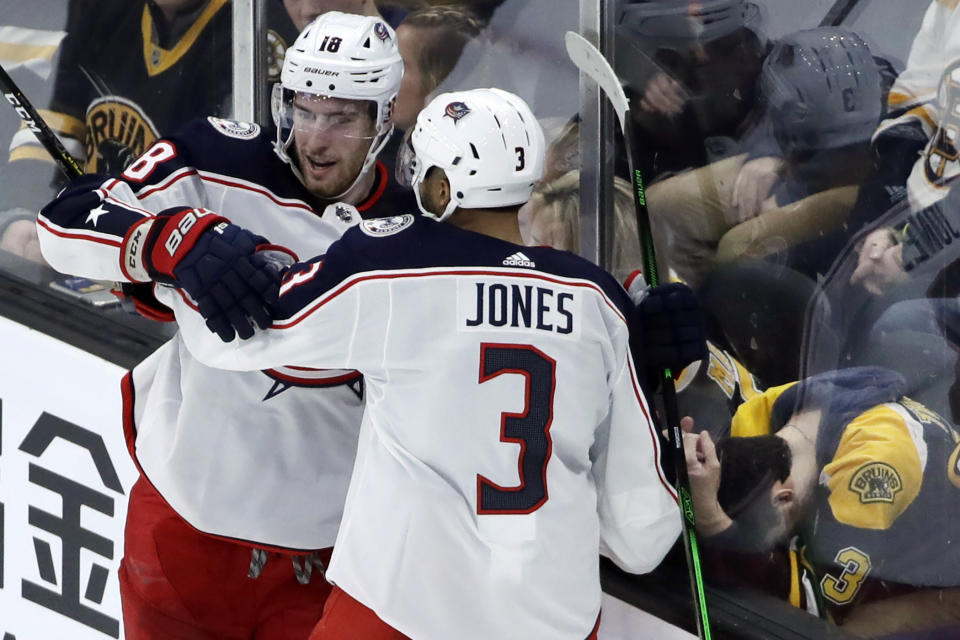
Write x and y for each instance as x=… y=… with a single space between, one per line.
x=627 y=474
x=914 y=93
x=82 y=231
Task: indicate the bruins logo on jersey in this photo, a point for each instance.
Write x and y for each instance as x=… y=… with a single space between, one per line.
x=118 y=130
x=876 y=482
x=940 y=162
x=276 y=49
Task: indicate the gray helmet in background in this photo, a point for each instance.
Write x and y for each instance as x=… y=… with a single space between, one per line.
x=676 y=22
x=822 y=89
x=713 y=48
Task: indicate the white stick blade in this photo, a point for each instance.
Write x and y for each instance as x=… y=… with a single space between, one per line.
x=590 y=61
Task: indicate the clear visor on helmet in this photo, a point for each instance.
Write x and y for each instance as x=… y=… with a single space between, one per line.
x=309 y=113
x=408 y=166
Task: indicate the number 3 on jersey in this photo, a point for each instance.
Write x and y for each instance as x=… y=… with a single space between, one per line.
x=530 y=429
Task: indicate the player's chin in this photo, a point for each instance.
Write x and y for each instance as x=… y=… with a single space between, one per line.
x=327 y=187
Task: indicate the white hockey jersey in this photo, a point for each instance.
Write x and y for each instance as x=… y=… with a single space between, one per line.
x=928 y=92
x=262 y=457
x=506 y=439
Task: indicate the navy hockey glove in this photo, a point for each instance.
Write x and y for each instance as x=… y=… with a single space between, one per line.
x=667 y=330
x=212 y=260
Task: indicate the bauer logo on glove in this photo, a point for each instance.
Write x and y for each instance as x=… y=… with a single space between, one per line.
x=232 y=287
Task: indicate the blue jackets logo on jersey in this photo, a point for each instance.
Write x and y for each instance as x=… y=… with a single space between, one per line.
x=456 y=111
x=234 y=129
x=380 y=227
x=876 y=482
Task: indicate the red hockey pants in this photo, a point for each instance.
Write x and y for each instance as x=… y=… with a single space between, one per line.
x=176 y=582
x=346 y=619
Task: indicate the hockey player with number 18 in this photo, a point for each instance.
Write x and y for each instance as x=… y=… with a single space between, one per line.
x=505 y=433
x=235 y=461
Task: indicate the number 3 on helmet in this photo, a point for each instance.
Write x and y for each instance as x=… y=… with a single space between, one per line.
x=488 y=143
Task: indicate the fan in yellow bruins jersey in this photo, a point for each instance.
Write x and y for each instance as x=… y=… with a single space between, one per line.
x=848 y=491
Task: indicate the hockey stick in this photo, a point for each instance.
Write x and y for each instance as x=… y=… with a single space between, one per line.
x=35 y=123
x=591 y=62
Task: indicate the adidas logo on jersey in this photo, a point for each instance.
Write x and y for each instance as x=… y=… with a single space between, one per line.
x=519 y=260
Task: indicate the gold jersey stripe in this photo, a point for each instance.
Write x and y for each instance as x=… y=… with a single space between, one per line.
x=158 y=59
x=63 y=123
x=753 y=416
x=30 y=152
x=15 y=53
x=794 y=579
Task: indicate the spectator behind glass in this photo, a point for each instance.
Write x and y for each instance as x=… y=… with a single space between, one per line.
x=893 y=302
x=552 y=217
x=30 y=37
x=915 y=150
x=844 y=470
x=431 y=41
x=302 y=12
x=822 y=94
x=115 y=92
x=898 y=305
x=690 y=70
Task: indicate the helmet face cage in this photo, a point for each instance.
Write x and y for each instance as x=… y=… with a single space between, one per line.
x=487 y=142
x=345 y=56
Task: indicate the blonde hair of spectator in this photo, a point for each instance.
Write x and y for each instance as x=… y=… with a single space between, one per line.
x=555 y=220
x=563 y=154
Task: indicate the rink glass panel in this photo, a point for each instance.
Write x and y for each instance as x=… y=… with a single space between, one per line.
x=778 y=293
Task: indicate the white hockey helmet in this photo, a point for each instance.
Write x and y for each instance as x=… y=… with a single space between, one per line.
x=340 y=55
x=488 y=143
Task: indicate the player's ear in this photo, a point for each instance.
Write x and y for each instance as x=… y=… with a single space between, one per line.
x=443 y=189
x=782 y=494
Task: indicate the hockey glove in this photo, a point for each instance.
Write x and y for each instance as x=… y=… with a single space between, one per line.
x=667 y=330
x=209 y=258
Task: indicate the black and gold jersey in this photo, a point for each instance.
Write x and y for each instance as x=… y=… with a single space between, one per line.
x=126 y=77
x=884 y=518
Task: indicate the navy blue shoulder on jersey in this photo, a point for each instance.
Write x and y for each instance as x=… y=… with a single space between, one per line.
x=245 y=156
x=425 y=243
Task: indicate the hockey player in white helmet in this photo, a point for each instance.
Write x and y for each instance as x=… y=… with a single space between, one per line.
x=244 y=474
x=334 y=103
x=492 y=160
x=472 y=344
